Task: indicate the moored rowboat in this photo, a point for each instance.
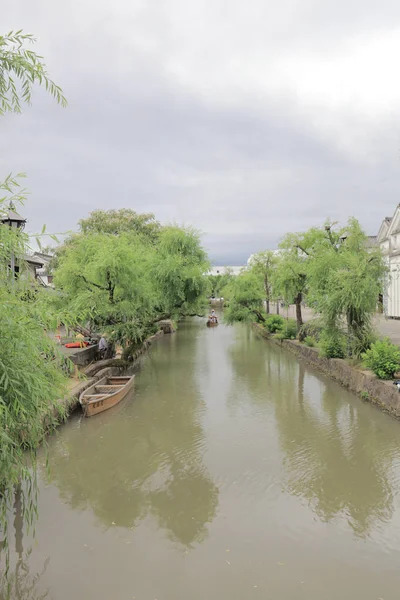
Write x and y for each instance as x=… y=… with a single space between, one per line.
x=105 y=394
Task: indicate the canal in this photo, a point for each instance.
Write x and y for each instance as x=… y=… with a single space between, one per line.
x=234 y=472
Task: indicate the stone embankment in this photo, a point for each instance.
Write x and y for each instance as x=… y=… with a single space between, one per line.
x=363 y=383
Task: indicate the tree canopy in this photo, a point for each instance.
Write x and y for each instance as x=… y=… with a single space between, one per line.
x=120 y=221
x=125 y=282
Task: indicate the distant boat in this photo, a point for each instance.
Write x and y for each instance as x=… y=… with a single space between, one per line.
x=212 y=323
x=105 y=394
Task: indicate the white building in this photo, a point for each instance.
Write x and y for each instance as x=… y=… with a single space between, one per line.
x=389 y=241
x=43 y=274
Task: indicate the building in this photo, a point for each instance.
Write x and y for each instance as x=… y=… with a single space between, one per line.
x=388 y=239
x=43 y=272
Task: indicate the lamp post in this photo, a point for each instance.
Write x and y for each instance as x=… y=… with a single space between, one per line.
x=15 y=221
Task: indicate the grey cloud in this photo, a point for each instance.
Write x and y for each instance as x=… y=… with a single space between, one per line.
x=134 y=135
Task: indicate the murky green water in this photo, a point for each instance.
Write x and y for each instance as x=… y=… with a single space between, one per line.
x=234 y=472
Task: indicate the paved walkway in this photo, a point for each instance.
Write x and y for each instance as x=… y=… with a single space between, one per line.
x=386 y=327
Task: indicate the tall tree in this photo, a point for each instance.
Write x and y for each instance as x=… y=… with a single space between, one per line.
x=120 y=221
x=263 y=264
x=246 y=293
x=127 y=282
x=345 y=278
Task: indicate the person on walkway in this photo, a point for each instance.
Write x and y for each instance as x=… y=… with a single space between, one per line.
x=103 y=346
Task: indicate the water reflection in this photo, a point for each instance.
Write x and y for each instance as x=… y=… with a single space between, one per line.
x=18 y=583
x=337 y=455
x=145 y=457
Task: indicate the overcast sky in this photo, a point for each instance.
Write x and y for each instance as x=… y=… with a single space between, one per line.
x=243 y=119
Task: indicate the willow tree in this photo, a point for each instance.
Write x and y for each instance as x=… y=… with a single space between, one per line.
x=125 y=283
x=20 y=70
x=345 y=277
x=123 y=220
x=289 y=276
x=263 y=264
x=31 y=378
x=246 y=293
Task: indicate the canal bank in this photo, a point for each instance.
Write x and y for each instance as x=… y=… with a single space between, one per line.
x=363 y=383
x=94 y=372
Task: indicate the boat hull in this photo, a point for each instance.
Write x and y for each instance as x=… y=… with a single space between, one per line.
x=211 y=324
x=100 y=396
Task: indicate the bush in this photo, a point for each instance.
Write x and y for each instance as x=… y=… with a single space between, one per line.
x=310 y=341
x=333 y=344
x=383 y=358
x=361 y=343
x=288 y=331
x=310 y=329
x=274 y=323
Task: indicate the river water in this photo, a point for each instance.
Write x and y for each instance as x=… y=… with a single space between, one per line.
x=233 y=472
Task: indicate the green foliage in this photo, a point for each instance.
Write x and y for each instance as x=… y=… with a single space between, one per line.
x=124 y=220
x=333 y=344
x=288 y=331
x=345 y=278
x=219 y=283
x=246 y=295
x=20 y=69
x=364 y=395
x=310 y=341
x=312 y=329
x=274 y=323
x=263 y=265
x=31 y=369
x=125 y=282
x=383 y=358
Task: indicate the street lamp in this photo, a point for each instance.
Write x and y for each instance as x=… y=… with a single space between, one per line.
x=15 y=221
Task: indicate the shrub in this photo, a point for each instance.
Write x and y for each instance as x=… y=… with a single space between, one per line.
x=361 y=343
x=312 y=328
x=310 y=341
x=333 y=344
x=383 y=358
x=288 y=331
x=274 y=323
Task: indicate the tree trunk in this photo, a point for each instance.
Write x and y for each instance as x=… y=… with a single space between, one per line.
x=267 y=310
x=277 y=306
x=299 y=317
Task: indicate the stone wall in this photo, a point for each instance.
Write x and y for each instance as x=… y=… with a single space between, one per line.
x=84 y=357
x=364 y=383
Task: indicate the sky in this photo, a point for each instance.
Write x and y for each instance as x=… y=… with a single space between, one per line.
x=245 y=120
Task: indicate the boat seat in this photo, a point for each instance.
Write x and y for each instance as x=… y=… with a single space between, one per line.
x=108 y=389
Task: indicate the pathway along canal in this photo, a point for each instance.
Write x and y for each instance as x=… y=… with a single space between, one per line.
x=234 y=472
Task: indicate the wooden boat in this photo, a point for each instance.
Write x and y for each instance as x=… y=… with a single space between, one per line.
x=105 y=394
x=211 y=323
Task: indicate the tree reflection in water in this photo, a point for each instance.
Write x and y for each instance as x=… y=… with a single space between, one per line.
x=338 y=455
x=18 y=583
x=145 y=456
